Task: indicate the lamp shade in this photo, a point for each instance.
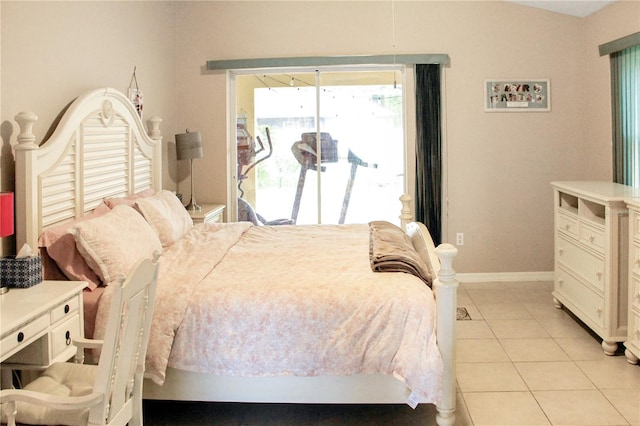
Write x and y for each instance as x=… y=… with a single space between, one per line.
x=6 y=214
x=189 y=145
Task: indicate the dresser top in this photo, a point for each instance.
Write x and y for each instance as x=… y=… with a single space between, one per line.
x=598 y=190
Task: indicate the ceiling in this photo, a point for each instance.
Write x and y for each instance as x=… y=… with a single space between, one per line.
x=580 y=8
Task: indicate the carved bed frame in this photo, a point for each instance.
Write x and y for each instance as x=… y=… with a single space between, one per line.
x=99 y=149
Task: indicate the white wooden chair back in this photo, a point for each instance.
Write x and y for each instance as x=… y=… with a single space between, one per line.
x=121 y=365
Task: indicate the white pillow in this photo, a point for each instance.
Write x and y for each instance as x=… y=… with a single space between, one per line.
x=111 y=244
x=166 y=215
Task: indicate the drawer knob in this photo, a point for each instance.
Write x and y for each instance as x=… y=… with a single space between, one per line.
x=636 y=260
x=599 y=310
x=20 y=337
x=66 y=309
x=591 y=238
x=599 y=274
x=560 y=282
x=567 y=226
x=67 y=336
x=560 y=251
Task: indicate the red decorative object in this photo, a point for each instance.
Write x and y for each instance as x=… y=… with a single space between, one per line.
x=6 y=214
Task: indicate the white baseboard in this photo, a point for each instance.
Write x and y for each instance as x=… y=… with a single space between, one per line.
x=484 y=277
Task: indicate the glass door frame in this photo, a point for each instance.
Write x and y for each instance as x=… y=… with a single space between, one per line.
x=406 y=79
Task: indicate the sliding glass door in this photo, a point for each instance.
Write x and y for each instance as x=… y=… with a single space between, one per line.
x=320 y=146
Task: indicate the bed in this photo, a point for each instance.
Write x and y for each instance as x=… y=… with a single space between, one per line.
x=101 y=151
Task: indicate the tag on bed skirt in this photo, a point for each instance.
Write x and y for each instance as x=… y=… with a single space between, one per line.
x=413 y=400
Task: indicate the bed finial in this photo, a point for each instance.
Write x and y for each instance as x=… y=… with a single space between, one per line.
x=406 y=214
x=154 y=127
x=26 y=138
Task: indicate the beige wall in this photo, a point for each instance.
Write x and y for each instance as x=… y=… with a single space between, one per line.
x=499 y=165
x=54 y=51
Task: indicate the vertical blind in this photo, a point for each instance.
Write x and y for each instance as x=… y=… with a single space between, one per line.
x=625 y=107
x=625 y=95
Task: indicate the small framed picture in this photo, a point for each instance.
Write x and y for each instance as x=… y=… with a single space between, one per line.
x=517 y=95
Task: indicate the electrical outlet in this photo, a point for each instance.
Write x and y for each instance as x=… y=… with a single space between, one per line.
x=460 y=239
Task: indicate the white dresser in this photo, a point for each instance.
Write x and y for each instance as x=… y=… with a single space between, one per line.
x=591 y=255
x=632 y=342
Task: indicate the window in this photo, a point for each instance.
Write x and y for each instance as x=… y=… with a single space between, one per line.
x=359 y=173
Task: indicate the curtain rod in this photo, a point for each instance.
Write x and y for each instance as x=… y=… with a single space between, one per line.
x=619 y=44
x=311 y=61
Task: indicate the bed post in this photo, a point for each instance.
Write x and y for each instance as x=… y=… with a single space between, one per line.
x=445 y=287
x=406 y=214
x=156 y=135
x=27 y=197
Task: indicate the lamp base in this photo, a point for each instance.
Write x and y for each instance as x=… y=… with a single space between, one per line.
x=4 y=290
x=193 y=206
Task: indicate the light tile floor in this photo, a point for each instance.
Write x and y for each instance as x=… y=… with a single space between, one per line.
x=521 y=361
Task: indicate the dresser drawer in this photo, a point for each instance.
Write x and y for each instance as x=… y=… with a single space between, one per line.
x=634 y=292
x=584 y=298
x=589 y=266
x=634 y=219
x=65 y=309
x=634 y=329
x=61 y=335
x=568 y=224
x=24 y=335
x=593 y=237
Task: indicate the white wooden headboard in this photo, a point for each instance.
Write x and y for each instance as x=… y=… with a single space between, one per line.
x=98 y=149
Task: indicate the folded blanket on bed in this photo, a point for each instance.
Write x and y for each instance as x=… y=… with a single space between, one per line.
x=391 y=250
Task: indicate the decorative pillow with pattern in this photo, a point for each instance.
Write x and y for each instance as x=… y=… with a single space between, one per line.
x=166 y=215
x=113 y=243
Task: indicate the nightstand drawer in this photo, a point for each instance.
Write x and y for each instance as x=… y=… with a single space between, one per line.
x=24 y=335
x=61 y=336
x=65 y=309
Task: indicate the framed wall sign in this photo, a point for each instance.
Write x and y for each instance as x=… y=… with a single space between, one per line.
x=517 y=95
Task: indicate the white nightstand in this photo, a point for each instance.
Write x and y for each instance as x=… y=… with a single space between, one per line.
x=38 y=323
x=210 y=213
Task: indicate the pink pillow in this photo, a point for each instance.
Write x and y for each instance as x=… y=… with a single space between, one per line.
x=61 y=247
x=129 y=200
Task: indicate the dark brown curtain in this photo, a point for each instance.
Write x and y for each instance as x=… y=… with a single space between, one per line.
x=428 y=197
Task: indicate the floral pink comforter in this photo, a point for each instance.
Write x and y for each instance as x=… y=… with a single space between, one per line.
x=242 y=300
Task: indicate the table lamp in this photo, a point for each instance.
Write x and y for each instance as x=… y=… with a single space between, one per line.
x=188 y=147
x=6 y=223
